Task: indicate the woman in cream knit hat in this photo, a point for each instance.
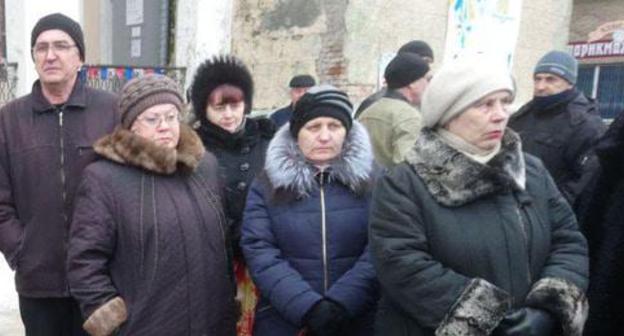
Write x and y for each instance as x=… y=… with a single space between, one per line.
x=469 y=235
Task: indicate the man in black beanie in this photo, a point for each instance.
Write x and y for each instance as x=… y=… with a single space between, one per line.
x=299 y=85
x=394 y=122
x=45 y=142
x=418 y=47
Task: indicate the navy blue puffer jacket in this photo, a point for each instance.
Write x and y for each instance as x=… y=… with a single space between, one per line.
x=304 y=235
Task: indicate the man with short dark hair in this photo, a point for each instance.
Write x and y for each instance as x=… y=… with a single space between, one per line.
x=558 y=125
x=394 y=121
x=45 y=142
x=299 y=85
x=420 y=48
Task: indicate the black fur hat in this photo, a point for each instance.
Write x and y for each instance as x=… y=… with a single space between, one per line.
x=216 y=71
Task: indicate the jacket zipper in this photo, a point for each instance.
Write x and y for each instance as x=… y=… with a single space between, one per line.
x=525 y=239
x=62 y=145
x=324 y=237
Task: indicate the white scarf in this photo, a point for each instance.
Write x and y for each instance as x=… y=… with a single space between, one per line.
x=473 y=152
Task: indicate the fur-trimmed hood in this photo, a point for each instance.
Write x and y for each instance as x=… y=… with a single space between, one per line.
x=454 y=179
x=287 y=168
x=127 y=148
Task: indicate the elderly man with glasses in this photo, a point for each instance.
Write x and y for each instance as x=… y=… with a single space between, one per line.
x=46 y=140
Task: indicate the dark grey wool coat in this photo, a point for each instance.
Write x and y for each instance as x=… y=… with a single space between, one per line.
x=456 y=244
x=149 y=228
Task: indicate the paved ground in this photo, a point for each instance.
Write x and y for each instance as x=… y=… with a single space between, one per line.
x=10 y=323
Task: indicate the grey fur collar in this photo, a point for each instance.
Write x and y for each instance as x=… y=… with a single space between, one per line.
x=125 y=147
x=287 y=168
x=453 y=179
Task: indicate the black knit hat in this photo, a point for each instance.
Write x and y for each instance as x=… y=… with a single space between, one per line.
x=60 y=22
x=321 y=101
x=404 y=69
x=141 y=93
x=215 y=72
x=302 y=81
x=420 y=48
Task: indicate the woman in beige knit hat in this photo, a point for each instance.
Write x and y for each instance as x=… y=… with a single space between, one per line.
x=147 y=253
x=469 y=235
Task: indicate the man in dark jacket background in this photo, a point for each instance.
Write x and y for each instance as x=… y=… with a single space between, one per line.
x=46 y=140
x=299 y=85
x=559 y=125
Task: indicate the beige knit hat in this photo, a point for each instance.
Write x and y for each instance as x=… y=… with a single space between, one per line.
x=141 y=93
x=461 y=83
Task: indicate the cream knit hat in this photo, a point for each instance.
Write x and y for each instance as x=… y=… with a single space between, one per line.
x=461 y=83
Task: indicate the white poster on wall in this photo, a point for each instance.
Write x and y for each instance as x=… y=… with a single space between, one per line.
x=134 y=12
x=135 y=48
x=483 y=27
x=381 y=68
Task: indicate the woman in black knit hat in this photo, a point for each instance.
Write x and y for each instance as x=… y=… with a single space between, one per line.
x=304 y=232
x=221 y=95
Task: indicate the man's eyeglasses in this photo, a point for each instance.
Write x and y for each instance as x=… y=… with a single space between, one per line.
x=154 y=120
x=41 y=49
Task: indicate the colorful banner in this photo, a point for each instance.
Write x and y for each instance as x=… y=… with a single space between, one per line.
x=483 y=27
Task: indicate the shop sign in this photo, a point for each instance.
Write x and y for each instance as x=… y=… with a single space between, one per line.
x=602 y=48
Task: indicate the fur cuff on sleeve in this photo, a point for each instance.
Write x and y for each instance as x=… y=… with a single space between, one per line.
x=564 y=300
x=477 y=312
x=106 y=318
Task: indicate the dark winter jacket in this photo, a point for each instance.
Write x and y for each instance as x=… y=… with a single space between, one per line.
x=282 y=116
x=43 y=150
x=562 y=136
x=604 y=226
x=456 y=244
x=241 y=158
x=149 y=228
x=305 y=235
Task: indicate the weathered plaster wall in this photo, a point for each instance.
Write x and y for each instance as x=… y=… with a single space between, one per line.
x=341 y=42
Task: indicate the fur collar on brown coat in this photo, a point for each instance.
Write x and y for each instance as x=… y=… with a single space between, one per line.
x=125 y=147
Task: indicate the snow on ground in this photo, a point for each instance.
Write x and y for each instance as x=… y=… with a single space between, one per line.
x=10 y=322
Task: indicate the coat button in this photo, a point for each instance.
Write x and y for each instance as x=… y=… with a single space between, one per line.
x=244 y=167
x=241 y=186
x=245 y=150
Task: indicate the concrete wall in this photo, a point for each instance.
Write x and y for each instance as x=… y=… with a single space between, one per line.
x=544 y=26
x=341 y=42
x=203 y=29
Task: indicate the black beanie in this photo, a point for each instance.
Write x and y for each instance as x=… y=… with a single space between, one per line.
x=404 y=69
x=302 y=81
x=420 y=48
x=321 y=101
x=60 y=22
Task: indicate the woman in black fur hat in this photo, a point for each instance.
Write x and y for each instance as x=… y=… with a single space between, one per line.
x=221 y=95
